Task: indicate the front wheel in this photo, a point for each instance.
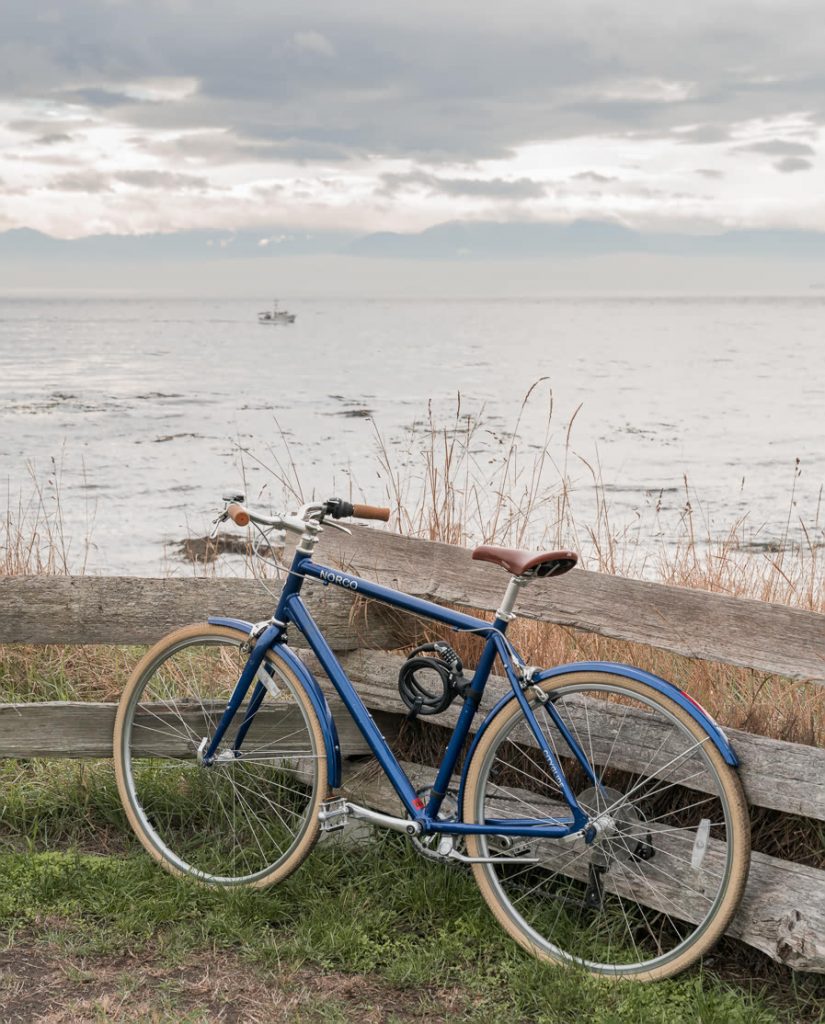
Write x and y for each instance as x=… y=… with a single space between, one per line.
x=662 y=879
x=251 y=816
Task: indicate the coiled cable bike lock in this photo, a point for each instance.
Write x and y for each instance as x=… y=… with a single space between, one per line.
x=429 y=685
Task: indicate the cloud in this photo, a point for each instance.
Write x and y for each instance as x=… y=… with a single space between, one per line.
x=313 y=42
x=594 y=177
x=495 y=188
x=44 y=126
x=421 y=81
x=43 y=157
x=276 y=240
x=778 y=147
x=702 y=134
x=87 y=181
x=53 y=139
x=412 y=106
x=161 y=180
x=95 y=182
x=94 y=97
x=225 y=146
x=793 y=163
x=8 y=189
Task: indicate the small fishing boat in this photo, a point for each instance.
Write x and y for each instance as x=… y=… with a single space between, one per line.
x=276 y=316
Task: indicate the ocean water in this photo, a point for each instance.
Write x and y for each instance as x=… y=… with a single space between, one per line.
x=138 y=413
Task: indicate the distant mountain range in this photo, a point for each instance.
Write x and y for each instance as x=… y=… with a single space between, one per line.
x=489 y=240
x=455 y=240
x=24 y=243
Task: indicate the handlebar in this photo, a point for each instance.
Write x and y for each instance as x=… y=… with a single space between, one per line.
x=336 y=508
x=238 y=514
x=371 y=512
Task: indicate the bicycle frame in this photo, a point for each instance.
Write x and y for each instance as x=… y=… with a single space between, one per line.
x=292 y=610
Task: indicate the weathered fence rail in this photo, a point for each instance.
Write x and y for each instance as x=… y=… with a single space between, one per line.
x=752 y=634
x=783 y=912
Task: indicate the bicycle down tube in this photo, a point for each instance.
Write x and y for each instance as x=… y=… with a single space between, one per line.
x=291 y=609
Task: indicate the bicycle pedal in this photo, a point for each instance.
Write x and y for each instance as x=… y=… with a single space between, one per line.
x=333 y=814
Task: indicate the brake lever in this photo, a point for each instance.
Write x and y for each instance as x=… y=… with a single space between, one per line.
x=216 y=523
x=337 y=526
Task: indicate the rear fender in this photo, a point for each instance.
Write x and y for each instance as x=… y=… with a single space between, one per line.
x=693 y=708
x=311 y=688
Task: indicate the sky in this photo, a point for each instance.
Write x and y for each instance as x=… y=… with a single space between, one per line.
x=169 y=115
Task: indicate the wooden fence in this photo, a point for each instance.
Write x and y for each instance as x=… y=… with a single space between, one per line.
x=783 y=910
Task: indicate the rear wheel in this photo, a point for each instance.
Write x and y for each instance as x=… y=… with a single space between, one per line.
x=662 y=879
x=242 y=820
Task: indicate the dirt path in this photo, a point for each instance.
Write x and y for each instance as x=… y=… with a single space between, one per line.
x=43 y=984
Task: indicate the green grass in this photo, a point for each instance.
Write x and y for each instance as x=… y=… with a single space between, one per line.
x=377 y=911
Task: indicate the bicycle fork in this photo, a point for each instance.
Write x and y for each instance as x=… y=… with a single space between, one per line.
x=254 y=668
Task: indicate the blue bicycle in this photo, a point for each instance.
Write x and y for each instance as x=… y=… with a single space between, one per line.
x=598 y=805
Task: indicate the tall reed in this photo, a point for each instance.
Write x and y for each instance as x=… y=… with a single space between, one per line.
x=33 y=538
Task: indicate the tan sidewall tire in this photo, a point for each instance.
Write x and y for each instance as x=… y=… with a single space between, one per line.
x=310 y=836
x=739 y=828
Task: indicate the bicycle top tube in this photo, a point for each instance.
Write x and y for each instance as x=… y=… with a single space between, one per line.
x=304 y=566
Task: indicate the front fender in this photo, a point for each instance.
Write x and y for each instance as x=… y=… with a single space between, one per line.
x=312 y=690
x=693 y=708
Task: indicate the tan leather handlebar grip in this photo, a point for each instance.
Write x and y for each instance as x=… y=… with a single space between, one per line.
x=238 y=514
x=371 y=512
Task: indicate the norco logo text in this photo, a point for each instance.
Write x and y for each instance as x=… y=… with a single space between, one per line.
x=342 y=581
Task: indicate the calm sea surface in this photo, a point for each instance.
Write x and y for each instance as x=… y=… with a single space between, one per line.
x=152 y=409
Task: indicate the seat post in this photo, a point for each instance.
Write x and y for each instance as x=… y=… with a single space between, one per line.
x=505 y=612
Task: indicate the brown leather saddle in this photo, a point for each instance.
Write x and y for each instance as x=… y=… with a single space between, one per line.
x=527 y=563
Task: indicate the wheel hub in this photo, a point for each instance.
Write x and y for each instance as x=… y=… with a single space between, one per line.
x=620 y=827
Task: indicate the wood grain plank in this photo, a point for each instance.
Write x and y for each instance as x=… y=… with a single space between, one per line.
x=778 y=775
x=714 y=627
x=769 y=637
x=56 y=729
x=137 y=610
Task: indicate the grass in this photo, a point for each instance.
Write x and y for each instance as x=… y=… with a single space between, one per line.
x=458 y=483
x=374 y=933
x=418 y=931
